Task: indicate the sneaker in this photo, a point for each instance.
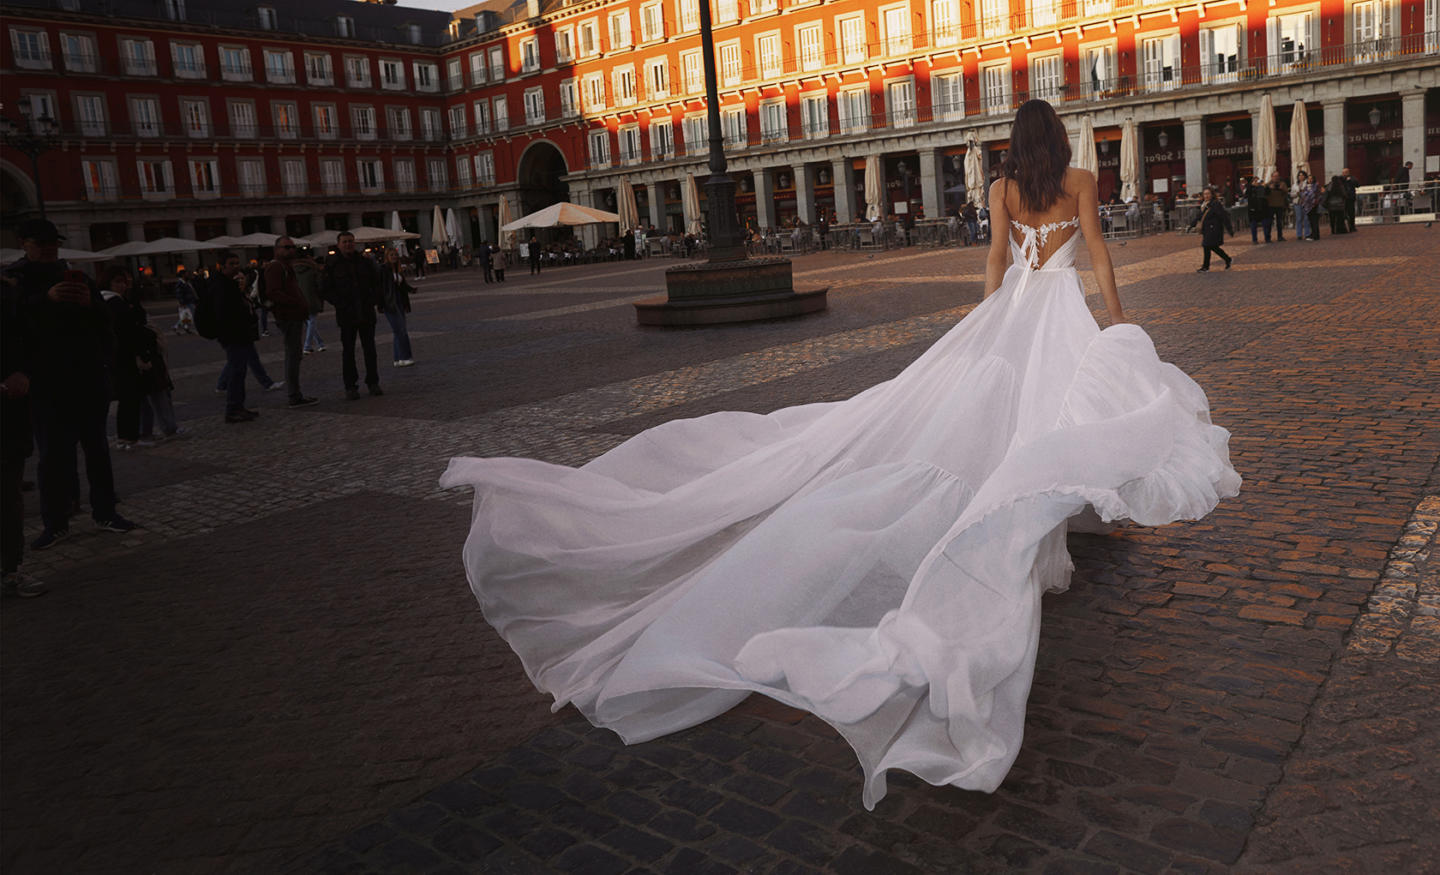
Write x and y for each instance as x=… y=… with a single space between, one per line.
x=1228 y=262
x=275 y=386
x=264 y=334
x=123 y=446
x=1202 y=270
x=145 y=442
x=116 y=523
x=405 y=363
x=320 y=348
x=49 y=538
x=375 y=390
x=241 y=416
x=303 y=401
x=23 y=586
x=220 y=391
x=352 y=394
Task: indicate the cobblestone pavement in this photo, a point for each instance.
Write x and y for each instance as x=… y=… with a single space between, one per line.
x=284 y=669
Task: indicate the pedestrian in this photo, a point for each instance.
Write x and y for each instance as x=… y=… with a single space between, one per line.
x=307 y=274
x=128 y=321
x=395 y=295
x=1257 y=205
x=70 y=345
x=1305 y=197
x=483 y=255
x=534 y=255
x=418 y=259
x=1350 y=185
x=254 y=288
x=1277 y=197
x=1402 y=176
x=497 y=264
x=1335 y=204
x=287 y=302
x=1214 y=221
x=156 y=405
x=351 y=284
x=628 y=242
x=822 y=228
x=237 y=331
x=16 y=445
x=185 y=296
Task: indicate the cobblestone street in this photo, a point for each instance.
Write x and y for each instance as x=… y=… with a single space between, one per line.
x=283 y=668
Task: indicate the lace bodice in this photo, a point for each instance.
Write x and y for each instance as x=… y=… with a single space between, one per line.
x=1030 y=248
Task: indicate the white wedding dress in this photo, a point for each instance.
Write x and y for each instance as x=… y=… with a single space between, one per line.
x=878 y=562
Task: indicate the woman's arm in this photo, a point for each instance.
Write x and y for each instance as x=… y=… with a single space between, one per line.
x=1095 y=241
x=999 y=256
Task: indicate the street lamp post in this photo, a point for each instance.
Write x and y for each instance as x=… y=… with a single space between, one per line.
x=33 y=141
x=726 y=243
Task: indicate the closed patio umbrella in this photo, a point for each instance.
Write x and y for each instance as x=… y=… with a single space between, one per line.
x=974 y=172
x=690 y=205
x=874 y=188
x=1299 y=142
x=396 y=225
x=629 y=210
x=1085 y=157
x=504 y=219
x=452 y=227
x=438 y=237
x=1129 y=162
x=1264 y=159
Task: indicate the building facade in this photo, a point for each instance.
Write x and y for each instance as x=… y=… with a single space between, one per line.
x=235 y=117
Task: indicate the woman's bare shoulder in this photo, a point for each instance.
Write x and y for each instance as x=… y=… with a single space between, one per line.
x=1077 y=179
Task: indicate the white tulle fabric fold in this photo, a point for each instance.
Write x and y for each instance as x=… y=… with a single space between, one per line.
x=878 y=562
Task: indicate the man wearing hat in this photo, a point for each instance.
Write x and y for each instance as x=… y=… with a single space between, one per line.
x=70 y=343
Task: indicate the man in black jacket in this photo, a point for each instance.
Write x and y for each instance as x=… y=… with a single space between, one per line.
x=351 y=283
x=1350 y=185
x=235 y=318
x=287 y=302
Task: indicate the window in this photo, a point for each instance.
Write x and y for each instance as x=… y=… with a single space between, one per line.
x=497 y=64
x=900 y=103
x=623 y=81
x=694 y=65
x=362 y=122
x=502 y=114
x=564 y=46
x=477 y=68
x=944 y=22
x=174 y=9
x=327 y=125
x=138 y=55
x=430 y=129
x=287 y=119
x=397 y=119
x=569 y=101
x=994 y=17
x=815 y=115
x=619 y=30
x=1096 y=7
x=696 y=130
x=318 y=70
x=78 y=50
x=392 y=75
x=768 y=48
x=372 y=175
x=534 y=106
x=252 y=177
x=415 y=33
x=1160 y=60
x=266 y=18
x=279 y=66
x=1220 y=53
x=812 y=46
x=1098 y=69
x=242 y=119
x=454 y=75
x=189 y=60
x=458 y=127
x=293 y=176
x=485 y=168
x=1043 y=13
x=995 y=88
x=734 y=129
x=529 y=55
x=344 y=26
x=41 y=106
x=157 y=180
x=652 y=22
x=657 y=78
x=90 y=112
x=427 y=76
x=145 y=116
x=462 y=172
x=435 y=173
x=332 y=175
x=897 y=30
x=101 y=180
x=594 y=92
x=730 y=64
x=482 y=117
x=662 y=140
x=195 y=116
x=589 y=39
x=726 y=11
x=599 y=149
x=235 y=64
x=1432 y=25
x=947 y=96
x=760 y=7
x=205 y=177
x=1291 y=38
x=630 y=144
x=357 y=71
x=32 y=49
x=689 y=15
x=854 y=108
x=774 y=122
x=852 y=39
x=404 y=174
x=1047 y=77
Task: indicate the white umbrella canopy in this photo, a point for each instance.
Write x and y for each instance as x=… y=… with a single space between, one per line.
x=629 y=210
x=874 y=187
x=367 y=234
x=1299 y=142
x=319 y=240
x=9 y=255
x=1264 y=159
x=162 y=246
x=503 y=218
x=258 y=238
x=452 y=227
x=974 y=172
x=1085 y=157
x=397 y=225
x=437 y=227
x=1129 y=161
x=556 y=215
x=690 y=205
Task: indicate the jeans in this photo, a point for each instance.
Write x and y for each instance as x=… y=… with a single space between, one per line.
x=186 y=320
x=1302 y=224
x=252 y=361
x=1277 y=215
x=157 y=406
x=400 y=342
x=313 y=340
x=291 y=329
x=366 y=333
x=237 y=355
x=59 y=426
x=1258 y=221
x=264 y=316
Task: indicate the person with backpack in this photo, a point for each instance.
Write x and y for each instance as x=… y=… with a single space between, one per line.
x=282 y=289
x=307 y=273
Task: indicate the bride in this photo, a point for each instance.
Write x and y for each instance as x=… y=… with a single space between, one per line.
x=879 y=561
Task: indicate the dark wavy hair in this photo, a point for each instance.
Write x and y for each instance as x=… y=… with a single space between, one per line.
x=1039 y=153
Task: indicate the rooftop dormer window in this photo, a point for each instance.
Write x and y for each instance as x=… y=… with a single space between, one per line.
x=413 y=31
x=267 y=18
x=344 y=26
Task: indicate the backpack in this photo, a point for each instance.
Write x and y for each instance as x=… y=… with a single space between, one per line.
x=207 y=316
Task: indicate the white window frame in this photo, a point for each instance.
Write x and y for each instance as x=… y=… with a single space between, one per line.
x=454 y=74
x=344 y=26
x=814 y=114
x=996 y=88
x=1095 y=82
x=188 y=68
x=588 y=38
x=481 y=110
x=598 y=144
x=462 y=173
x=695 y=131
x=154 y=170
x=732 y=69
x=294 y=180
x=618 y=30
x=479 y=68
x=397 y=123
x=530 y=54
x=853 y=106
x=895 y=22
x=763 y=7
x=622 y=83
x=947 y=95
x=851 y=30
x=662 y=139
x=358 y=73
x=496 y=56
x=371 y=174
x=1214 y=67
x=101 y=179
x=142 y=64
x=1160 y=61
x=1047 y=76
x=459 y=127
x=279 y=66
x=250 y=177
x=266 y=18
x=79 y=58
x=628 y=137
x=500 y=113
x=332 y=176
x=535 y=106
x=657 y=78
x=230 y=70
x=404 y=175
x=31 y=48
x=363 y=123
x=770 y=54
x=693 y=65
x=652 y=22
x=1044 y=13
x=1091 y=8
x=734 y=127
x=994 y=17
x=319 y=68
x=774 y=121
x=437 y=175
x=485 y=168
x=1298 y=22
x=810 y=45
x=326 y=119
x=92 y=117
x=196 y=124
x=426 y=75
x=592 y=90
x=726 y=12
x=395 y=80
x=145 y=117
x=281 y=110
x=901 y=107
x=687 y=12
x=244 y=123
x=565 y=45
x=569 y=99
x=432 y=126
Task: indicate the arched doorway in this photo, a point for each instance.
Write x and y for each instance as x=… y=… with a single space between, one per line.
x=541 y=177
x=17 y=202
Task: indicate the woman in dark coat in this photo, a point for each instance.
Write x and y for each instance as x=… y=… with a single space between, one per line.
x=1214 y=222
x=129 y=321
x=1335 y=195
x=395 y=301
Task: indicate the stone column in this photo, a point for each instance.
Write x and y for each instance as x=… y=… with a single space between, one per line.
x=136 y=230
x=932 y=182
x=764 y=198
x=233 y=228
x=804 y=192
x=1334 y=140
x=844 y=176
x=317 y=223
x=1412 y=143
x=187 y=229
x=656 y=194
x=1195 y=156
x=77 y=235
x=277 y=225
x=355 y=220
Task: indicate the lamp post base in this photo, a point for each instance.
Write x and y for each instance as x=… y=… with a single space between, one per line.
x=716 y=293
